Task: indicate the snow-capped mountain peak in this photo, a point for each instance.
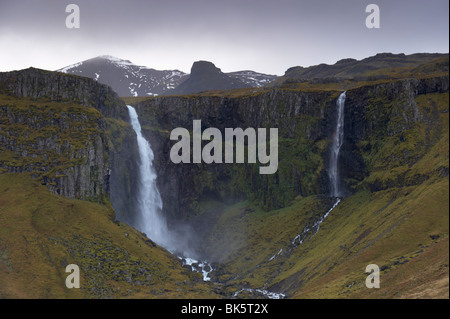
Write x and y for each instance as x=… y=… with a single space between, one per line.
x=125 y=77
x=129 y=79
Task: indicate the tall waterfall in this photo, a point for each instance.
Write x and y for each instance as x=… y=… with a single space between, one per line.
x=338 y=139
x=150 y=220
x=178 y=239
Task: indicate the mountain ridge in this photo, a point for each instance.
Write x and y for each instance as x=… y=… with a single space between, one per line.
x=206 y=76
x=126 y=78
x=380 y=66
x=129 y=79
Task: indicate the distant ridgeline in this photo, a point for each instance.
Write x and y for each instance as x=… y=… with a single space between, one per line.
x=378 y=67
x=129 y=79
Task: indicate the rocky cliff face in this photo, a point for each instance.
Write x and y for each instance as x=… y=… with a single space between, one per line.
x=53 y=126
x=302 y=121
x=373 y=114
x=388 y=129
x=74 y=164
x=58 y=87
x=124 y=159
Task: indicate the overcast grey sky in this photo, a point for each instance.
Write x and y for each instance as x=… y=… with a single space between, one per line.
x=262 y=35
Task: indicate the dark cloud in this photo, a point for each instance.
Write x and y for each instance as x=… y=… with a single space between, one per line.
x=266 y=36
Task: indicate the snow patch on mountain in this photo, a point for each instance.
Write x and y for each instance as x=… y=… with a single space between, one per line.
x=129 y=79
x=69 y=67
x=252 y=78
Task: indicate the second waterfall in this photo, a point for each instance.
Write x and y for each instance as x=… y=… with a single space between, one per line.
x=338 y=139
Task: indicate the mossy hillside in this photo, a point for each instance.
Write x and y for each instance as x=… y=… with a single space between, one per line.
x=402 y=230
x=408 y=151
x=383 y=66
x=41 y=233
x=436 y=67
x=246 y=225
x=61 y=144
x=396 y=229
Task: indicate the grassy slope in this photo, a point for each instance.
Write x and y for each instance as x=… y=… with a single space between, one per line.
x=402 y=230
x=40 y=233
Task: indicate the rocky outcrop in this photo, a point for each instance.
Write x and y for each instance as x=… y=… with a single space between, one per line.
x=66 y=150
x=53 y=126
x=39 y=84
x=386 y=128
x=206 y=76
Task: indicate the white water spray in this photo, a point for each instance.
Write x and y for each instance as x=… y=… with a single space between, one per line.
x=314 y=229
x=151 y=222
x=150 y=204
x=333 y=170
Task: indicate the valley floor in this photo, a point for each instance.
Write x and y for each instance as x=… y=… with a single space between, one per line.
x=402 y=230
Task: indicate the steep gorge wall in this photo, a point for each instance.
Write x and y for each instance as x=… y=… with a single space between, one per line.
x=303 y=128
x=38 y=84
x=67 y=131
x=71 y=163
x=74 y=134
x=390 y=127
x=373 y=114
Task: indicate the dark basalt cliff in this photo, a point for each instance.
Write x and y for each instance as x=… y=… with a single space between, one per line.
x=389 y=127
x=59 y=87
x=55 y=126
x=374 y=115
x=303 y=129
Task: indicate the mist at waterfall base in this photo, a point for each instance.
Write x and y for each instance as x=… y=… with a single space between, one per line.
x=149 y=219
